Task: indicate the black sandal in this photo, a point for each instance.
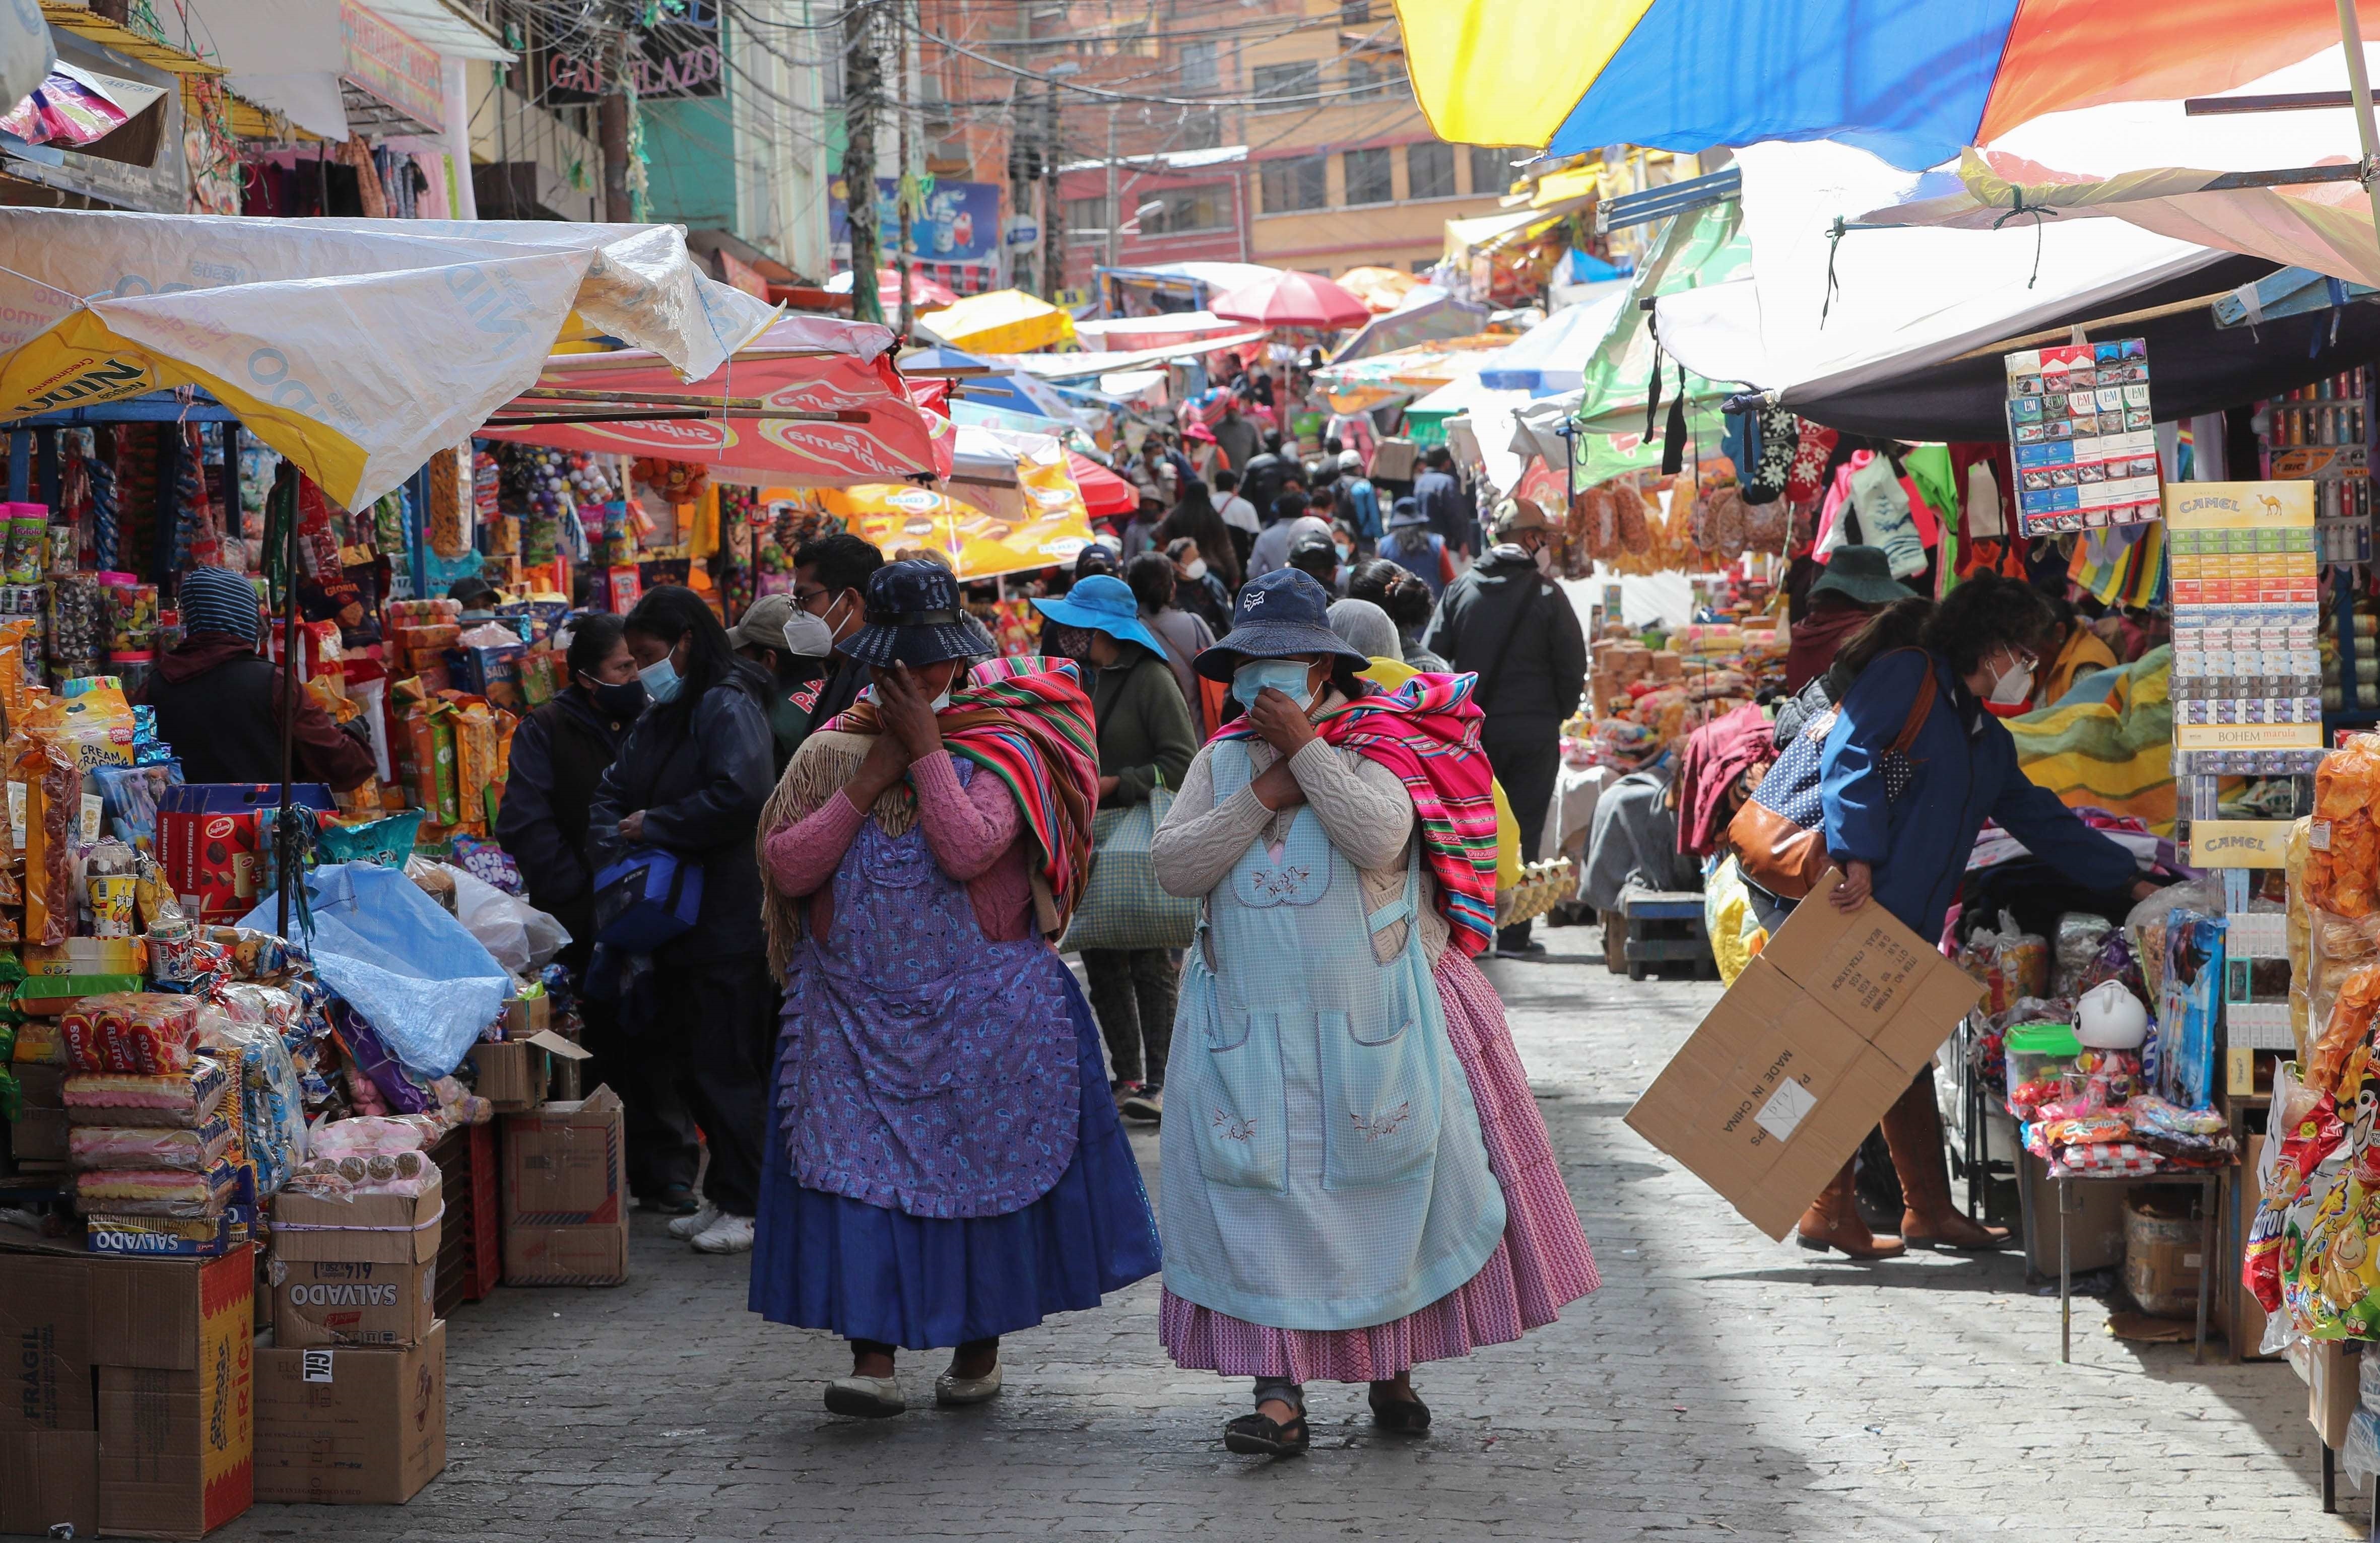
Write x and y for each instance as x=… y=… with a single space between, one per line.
x=1262 y=1436
x=1401 y=1416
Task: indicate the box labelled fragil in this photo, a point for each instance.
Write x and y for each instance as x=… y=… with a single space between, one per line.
x=1791 y=1069
x=48 y=1478
x=337 y=1302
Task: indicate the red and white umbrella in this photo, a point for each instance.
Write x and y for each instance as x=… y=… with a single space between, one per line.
x=1106 y=494
x=924 y=293
x=1294 y=299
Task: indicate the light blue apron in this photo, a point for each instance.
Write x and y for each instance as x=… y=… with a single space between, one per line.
x=1323 y=1167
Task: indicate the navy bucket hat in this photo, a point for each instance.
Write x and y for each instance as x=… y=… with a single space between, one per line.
x=1283 y=613
x=915 y=616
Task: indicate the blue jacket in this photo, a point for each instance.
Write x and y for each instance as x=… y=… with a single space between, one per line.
x=1965 y=771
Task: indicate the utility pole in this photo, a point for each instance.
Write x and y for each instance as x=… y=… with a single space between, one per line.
x=612 y=127
x=1023 y=167
x=863 y=85
x=1115 y=209
x=904 y=195
x=1054 y=207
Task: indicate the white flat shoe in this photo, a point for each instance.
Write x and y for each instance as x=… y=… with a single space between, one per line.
x=868 y=1398
x=951 y=1390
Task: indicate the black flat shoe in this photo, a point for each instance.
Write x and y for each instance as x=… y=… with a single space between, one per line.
x=1262 y=1436
x=1401 y=1416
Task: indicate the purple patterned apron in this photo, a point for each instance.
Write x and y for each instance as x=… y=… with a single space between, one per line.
x=925 y=1068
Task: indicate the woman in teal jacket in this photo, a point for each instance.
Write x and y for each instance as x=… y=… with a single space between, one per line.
x=1900 y=827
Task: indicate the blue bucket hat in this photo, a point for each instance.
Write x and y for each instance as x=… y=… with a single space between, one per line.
x=1102 y=603
x=915 y=616
x=1405 y=515
x=1283 y=613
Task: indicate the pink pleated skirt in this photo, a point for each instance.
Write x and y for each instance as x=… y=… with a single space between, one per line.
x=1541 y=1263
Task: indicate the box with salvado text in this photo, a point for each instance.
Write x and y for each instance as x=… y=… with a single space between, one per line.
x=1801 y=1057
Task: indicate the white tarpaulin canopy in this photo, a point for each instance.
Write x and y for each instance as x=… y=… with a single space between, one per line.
x=1819 y=315
x=26 y=53
x=354 y=348
x=2150 y=164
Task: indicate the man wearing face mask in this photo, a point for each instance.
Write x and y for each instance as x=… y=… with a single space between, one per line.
x=1900 y=825
x=830 y=577
x=795 y=648
x=1507 y=621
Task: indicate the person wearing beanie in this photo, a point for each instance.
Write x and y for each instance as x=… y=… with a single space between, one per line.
x=218 y=700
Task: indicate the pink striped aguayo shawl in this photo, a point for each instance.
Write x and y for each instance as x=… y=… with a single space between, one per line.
x=1427 y=733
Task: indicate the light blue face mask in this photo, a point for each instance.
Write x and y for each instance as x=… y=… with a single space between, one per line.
x=661 y=680
x=1285 y=675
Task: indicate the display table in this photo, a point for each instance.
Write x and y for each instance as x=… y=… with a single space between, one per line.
x=2209 y=1185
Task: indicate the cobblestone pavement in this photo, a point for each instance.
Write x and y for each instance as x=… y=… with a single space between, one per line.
x=1720 y=1386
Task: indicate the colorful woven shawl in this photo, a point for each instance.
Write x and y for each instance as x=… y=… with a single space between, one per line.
x=1027 y=721
x=1427 y=733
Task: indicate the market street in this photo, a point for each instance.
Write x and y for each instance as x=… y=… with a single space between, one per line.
x=1719 y=1385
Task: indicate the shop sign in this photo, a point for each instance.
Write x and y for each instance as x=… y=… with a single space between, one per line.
x=676 y=57
x=955 y=222
x=741 y=274
x=393 y=66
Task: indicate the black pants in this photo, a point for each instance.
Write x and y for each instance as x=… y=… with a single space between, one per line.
x=1526 y=764
x=717 y=1023
x=662 y=1149
x=1133 y=993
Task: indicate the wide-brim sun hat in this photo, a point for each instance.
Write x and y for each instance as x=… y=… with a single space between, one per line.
x=1405 y=515
x=915 y=616
x=1284 y=612
x=1102 y=603
x=1862 y=573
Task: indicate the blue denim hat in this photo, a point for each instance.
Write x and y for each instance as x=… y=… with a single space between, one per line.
x=915 y=616
x=1284 y=612
x=1103 y=604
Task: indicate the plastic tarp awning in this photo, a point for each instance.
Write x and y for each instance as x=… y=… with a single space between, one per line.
x=1813 y=320
x=354 y=348
x=1011 y=506
x=1003 y=321
x=1428 y=315
x=801 y=364
x=1081 y=366
x=1552 y=355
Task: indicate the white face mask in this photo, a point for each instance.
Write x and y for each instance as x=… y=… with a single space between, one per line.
x=2011 y=685
x=941 y=702
x=1544 y=558
x=1197 y=568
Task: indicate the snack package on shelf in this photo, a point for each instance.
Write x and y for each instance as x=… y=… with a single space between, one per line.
x=154 y=1191
x=189 y=1148
x=52 y=808
x=142 y=1032
x=184 y=1098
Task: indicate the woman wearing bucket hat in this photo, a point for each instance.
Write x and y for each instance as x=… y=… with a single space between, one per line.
x=939 y=1172
x=1357 y=1179
x=1857 y=584
x=1145 y=741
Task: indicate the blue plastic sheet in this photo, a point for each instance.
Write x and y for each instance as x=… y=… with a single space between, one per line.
x=402 y=961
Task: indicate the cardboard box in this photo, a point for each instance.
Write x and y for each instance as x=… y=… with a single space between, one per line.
x=39 y=1135
x=45 y=1343
x=2332 y=1369
x=48 y=1477
x=527 y=1016
x=350 y=1427
x=565 y=1194
x=359 y=1229
x=329 y=1302
x=87 y=956
x=176 y=1422
x=514 y=1074
x=2164 y=1259
x=1794 y=1065
x=152 y=1237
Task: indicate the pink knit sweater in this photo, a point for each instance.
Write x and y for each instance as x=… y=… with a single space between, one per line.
x=973 y=831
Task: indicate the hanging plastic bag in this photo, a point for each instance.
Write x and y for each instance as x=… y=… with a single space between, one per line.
x=413 y=971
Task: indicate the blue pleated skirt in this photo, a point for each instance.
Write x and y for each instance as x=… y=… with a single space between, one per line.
x=867 y=1272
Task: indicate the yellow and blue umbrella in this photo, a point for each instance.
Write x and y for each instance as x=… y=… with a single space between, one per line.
x=1912 y=81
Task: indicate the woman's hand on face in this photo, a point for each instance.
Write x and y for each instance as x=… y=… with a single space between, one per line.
x=887 y=760
x=904 y=711
x=1276 y=786
x=1280 y=722
x=1859 y=882
x=632 y=827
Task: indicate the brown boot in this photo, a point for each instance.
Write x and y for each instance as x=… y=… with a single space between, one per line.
x=1912 y=1128
x=1833 y=1221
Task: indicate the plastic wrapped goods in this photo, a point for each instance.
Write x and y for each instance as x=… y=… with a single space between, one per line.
x=154 y=1191
x=184 y=1098
x=145 y=1032
x=190 y=1148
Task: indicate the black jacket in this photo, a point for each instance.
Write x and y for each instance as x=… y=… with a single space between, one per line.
x=844 y=684
x=559 y=756
x=701 y=777
x=1543 y=674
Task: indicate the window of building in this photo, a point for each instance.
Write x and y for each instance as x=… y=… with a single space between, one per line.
x=1368 y=176
x=1430 y=171
x=1352 y=12
x=1295 y=182
x=1201 y=128
x=1371 y=77
x=1295 y=85
x=1198 y=64
x=1490 y=170
x=1087 y=219
x=1186 y=209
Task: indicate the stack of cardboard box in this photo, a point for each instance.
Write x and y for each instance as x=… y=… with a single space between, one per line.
x=129 y=1404
x=351 y=1398
x=565 y=1194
